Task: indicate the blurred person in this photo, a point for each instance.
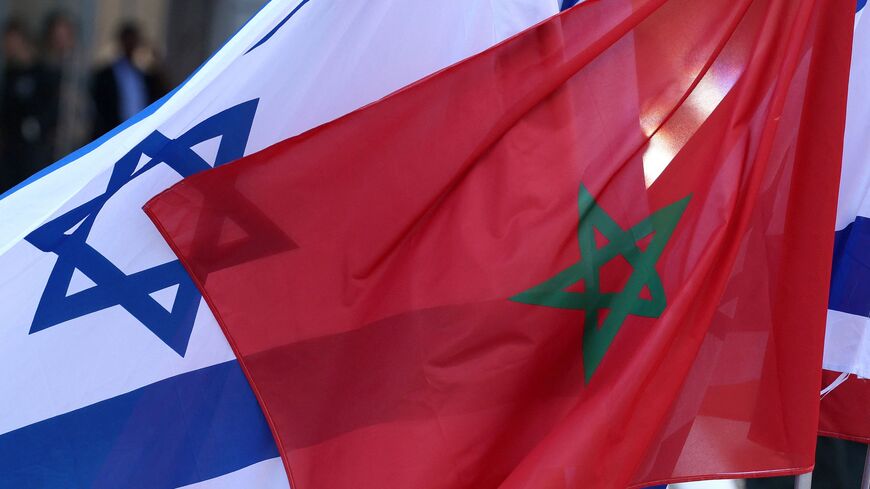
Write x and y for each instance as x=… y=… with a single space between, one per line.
x=65 y=84
x=24 y=109
x=124 y=87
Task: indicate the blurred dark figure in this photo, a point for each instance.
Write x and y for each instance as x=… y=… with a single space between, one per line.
x=62 y=69
x=839 y=465
x=123 y=88
x=25 y=109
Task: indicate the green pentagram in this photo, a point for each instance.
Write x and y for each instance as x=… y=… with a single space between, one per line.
x=553 y=293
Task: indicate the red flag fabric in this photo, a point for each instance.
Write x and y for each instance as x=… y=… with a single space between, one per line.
x=594 y=256
x=845 y=411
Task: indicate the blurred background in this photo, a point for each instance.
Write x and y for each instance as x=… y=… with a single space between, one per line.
x=70 y=70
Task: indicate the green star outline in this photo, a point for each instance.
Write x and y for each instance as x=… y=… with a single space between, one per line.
x=553 y=293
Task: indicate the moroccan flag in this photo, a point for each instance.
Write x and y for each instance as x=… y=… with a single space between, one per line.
x=594 y=256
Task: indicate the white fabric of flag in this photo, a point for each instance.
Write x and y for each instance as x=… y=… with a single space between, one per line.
x=847 y=341
x=117 y=374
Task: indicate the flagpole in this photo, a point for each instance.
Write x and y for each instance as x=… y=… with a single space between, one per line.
x=803 y=481
x=865 y=482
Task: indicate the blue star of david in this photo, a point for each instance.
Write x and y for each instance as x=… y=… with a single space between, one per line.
x=67 y=234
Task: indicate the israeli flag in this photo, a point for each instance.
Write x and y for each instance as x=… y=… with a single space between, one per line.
x=115 y=372
x=847 y=341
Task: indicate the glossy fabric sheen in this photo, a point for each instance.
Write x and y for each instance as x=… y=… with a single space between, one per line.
x=363 y=271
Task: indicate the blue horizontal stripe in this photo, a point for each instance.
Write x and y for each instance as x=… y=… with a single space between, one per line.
x=184 y=429
x=850 y=279
x=277 y=27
